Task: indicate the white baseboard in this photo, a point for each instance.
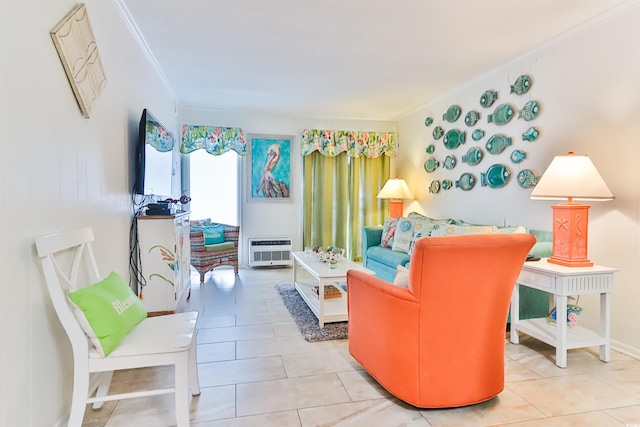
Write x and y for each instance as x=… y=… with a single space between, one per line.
x=628 y=350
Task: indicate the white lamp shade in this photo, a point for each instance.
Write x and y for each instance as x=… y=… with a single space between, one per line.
x=571 y=177
x=395 y=189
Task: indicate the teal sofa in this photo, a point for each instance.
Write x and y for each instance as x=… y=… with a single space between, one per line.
x=384 y=262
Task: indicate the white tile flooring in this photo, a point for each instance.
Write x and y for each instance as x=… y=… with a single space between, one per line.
x=255 y=369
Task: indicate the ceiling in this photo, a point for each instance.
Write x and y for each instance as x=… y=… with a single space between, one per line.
x=373 y=59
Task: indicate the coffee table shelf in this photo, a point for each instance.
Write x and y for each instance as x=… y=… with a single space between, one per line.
x=326 y=310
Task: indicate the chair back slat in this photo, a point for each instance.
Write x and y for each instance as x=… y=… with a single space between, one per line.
x=68 y=264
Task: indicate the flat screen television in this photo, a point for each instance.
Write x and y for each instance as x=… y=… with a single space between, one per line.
x=154 y=157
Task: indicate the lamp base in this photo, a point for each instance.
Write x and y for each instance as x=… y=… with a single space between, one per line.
x=570 y=235
x=395 y=208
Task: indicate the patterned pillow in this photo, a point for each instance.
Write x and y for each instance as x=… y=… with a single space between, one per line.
x=388 y=232
x=422 y=227
x=512 y=230
x=403 y=236
x=457 y=230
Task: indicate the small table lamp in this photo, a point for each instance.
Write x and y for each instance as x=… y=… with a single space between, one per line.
x=573 y=178
x=395 y=189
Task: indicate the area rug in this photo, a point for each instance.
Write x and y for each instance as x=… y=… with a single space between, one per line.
x=305 y=319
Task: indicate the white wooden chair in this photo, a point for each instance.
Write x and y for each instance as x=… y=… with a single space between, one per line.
x=69 y=264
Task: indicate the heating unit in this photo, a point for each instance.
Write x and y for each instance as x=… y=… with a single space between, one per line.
x=270 y=251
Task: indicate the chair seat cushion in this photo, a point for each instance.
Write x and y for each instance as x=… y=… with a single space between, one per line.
x=219 y=246
x=107 y=311
x=387 y=257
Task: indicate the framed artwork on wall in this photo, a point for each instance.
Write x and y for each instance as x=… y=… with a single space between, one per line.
x=269 y=168
x=78 y=52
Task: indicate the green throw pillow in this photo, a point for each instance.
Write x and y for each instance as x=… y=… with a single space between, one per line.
x=107 y=311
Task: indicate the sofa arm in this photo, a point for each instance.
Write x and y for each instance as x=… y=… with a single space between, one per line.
x=371 y=236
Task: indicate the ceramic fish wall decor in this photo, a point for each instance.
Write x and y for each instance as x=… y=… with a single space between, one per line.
x=497 y=176
x=521 y=85
x=452 y=114
x=466 y=181
x=518 y=155
x=527 y=179
x=497 y=143
x=477 y=134
x=454 y=138
x=488 y=98
x=529 y=111
x=473 y=156
x=531 y=134
x=437 y=132
x=501 y=115
x=431 y=164
x=471 y=118
x=450 y=162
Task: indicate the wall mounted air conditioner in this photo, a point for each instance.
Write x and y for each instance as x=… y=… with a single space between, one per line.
x=270 y=252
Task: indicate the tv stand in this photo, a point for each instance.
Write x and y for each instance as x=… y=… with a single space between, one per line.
x=164 y=262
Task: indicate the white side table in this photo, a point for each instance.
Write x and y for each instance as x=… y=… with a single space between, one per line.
x=562 y=282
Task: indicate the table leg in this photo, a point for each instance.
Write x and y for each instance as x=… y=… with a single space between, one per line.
x=605 y=323
x=561 y=331
x=515 y=314
x=321 y=303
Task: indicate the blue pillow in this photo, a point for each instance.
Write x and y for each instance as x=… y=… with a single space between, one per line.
x=213 y=234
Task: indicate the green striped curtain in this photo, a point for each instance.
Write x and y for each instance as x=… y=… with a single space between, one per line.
x=340 y=198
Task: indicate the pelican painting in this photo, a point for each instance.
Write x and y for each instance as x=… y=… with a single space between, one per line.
x=270 y=168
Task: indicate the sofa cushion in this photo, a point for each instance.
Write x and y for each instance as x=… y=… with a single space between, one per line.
x=387 y=257
x=403 y=235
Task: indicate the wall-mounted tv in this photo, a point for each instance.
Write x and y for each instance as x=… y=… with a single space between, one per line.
x=154 y=157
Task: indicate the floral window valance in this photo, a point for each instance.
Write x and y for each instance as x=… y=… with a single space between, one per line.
x=215 y=139
x=355 y=144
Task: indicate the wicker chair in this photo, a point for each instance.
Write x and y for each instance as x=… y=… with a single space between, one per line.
x=205 y=258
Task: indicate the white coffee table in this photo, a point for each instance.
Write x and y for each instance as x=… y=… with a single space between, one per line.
x=331 y=309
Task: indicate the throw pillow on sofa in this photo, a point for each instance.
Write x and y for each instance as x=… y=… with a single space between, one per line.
x=512 y=230
x=457 y=230
x=388 y=231
x=403 y=235
x=422 y=227
x=402 y=277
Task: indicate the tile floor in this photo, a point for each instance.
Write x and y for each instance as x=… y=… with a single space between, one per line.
x=255 y=369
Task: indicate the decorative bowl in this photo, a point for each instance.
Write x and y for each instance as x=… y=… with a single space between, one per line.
x=328 y=254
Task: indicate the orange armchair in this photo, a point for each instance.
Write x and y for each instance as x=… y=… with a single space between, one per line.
x=439 y=342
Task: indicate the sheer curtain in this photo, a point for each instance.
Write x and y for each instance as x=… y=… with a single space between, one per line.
x=343 y=173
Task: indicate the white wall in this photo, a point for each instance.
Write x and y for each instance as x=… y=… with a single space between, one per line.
x=270 y=219
x=588 y=87
x=59 y=171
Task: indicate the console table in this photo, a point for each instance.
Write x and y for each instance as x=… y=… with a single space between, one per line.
x=562 y=282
